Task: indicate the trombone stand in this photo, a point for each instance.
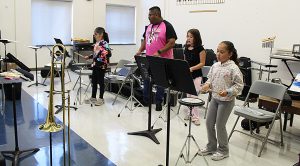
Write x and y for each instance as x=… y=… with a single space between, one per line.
x=50 y=138
x=36 y=78
x=15 y=155
x=60 y=107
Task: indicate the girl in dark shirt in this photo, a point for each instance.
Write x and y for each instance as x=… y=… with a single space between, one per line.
x=195 y=55
x=99 y=65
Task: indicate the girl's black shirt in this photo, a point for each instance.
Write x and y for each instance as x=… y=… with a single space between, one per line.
x=192 y=57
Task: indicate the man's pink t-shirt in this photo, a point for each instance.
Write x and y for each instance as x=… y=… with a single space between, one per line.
x=156 y=39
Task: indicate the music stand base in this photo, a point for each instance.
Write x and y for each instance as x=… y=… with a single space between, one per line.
x=36 y=84
x=15 y=156
x=148 y=133
x=59 y=108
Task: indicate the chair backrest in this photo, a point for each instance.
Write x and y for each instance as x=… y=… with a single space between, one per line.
x=121 y=64
x=205 y=70
x=178 y=53
x=269 y=89
x=211 y=57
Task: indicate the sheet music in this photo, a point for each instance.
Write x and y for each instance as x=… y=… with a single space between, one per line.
x=295 y=87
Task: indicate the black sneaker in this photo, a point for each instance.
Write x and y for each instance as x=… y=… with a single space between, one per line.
x=158 y=107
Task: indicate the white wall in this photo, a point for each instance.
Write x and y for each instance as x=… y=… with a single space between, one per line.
x=245 y=23
x=7 y=26
x=15 y=24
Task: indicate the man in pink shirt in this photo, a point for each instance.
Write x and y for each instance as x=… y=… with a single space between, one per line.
x=159 y=40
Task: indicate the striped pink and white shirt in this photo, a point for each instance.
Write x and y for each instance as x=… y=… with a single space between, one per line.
x=226 y=76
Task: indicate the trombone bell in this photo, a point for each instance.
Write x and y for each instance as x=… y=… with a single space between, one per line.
x=50 y=127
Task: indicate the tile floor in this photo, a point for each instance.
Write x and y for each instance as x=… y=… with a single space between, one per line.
x=106 y=132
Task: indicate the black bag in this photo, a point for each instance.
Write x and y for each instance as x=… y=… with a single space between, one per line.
x=245 y=124
x=254 y=125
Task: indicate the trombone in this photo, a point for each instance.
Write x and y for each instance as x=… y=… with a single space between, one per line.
x=57 y=59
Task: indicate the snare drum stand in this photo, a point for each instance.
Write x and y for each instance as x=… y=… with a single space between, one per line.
x=164 y=110
x=190 y=137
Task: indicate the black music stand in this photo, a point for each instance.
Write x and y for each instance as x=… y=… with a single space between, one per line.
x=58 y=41
x=15 y=155
x=5 y=41
x=59 y=107
x=144 y=68
x=36 y=78
x=174 y=75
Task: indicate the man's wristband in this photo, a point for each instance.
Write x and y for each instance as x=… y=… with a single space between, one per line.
x=159 y=52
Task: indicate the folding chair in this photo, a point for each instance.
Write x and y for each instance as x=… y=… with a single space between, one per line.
x=267 y=89
x=205 y=71
x=118 y=76
x=113 y=76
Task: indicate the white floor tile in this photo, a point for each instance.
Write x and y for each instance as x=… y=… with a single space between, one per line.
x=100 y=126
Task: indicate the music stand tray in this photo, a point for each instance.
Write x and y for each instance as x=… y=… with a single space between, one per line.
x=15 y=155
x=143 y=66
x=172 y=74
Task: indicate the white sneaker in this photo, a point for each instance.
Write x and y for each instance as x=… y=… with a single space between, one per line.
x=196 y=122
x=186 y=117
x=90 y=100
x=205 y=152
x=99 y=102
x=219 y=156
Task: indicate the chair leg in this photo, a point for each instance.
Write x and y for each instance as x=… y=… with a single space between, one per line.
x=178 y=109
x=69 y=76
x=181 y=96
x=250 y=127
x=281 y=133
x=206 y=107
x=266 y=138
x=208 y=100
x=76 y=82
x=237 y=119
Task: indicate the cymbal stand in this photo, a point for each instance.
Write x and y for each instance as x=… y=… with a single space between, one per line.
x=269 y=43
x=78 y=94
x=36 y=77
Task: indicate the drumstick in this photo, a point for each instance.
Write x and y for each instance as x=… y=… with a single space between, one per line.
x=79 y=55
x=210 y=90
